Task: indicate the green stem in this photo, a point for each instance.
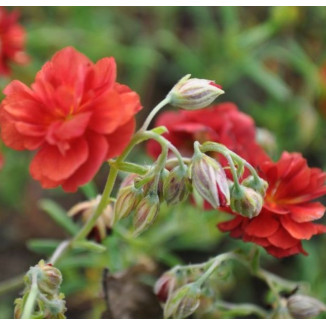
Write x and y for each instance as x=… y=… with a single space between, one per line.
x=30 y=302
x=165 y=143
x=150 y=117
x=215 y=263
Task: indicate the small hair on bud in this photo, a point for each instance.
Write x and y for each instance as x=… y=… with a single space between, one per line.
x=193 y=93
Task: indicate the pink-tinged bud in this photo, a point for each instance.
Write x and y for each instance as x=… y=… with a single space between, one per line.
x=129 y=180
x=183 y=302
x=149 y=185
x=176 y=186
x=193 y=93
x=146 y=212
x=246 y=201
x=209 y=179
x=127 y=200
x=49 y=278
x=303 y=307
x=165 y=285
x=259 y=185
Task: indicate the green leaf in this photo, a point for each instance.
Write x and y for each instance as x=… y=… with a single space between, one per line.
x=43 y=246
x=89 y=246
x=58 y=215
x=267 y=80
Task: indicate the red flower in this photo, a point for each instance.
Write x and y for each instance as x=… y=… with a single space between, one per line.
x=12 y=41
x=74 y=114
x=288 y=212
x=221 y=123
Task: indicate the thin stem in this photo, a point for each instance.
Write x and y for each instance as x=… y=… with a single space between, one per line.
x=150 y=117
x=30 y=302
x=240 y=309
x=215 y=263
x=59 y=252
x=164 y=142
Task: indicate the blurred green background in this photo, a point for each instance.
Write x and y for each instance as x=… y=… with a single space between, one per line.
x=271 y=61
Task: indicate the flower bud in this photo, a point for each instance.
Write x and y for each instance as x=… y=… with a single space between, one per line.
x=259 y=185
x=302 y=306
x=209 y=179
x=149 y=185
x=176 y=186
x=183 y=302
x=146 y=212
x=165 y=286
x=127 y=199
x=246 y=201
x=193 y=93
x=49 y=278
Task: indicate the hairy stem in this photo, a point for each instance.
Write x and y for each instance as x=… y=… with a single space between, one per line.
x=30 y=302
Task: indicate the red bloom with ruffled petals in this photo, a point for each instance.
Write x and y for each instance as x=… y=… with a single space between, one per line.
x=75 y=115
x=288 y=213
x=222 y=123
x=12 y=41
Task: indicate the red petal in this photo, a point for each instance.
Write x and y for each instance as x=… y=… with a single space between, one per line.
x=263 y=225
x=300 y=230
x=107 y=113
x=130 y=102
x=120 y=139
x=281 y=253
x=282 y=239
x=49 y=163
x=98 y=148
x=230 y=225
x=306 y=212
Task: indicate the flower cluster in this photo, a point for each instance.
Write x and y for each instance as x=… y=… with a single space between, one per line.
x=287 y=215
x=75 y=115
x=12 y=40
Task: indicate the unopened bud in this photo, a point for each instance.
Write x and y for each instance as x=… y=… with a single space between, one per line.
x=176 y=186
x=259 y=185
x=209 y=179
x=146 y=212
x=193 y=93
x=165 y=286
x=49 y=278
x=302 y=306
x=149 y=185
x=246 y=201
x=183 y=302
x=127 y=199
